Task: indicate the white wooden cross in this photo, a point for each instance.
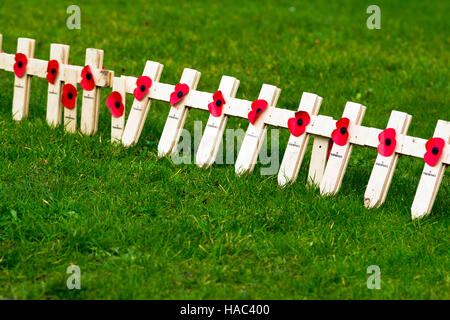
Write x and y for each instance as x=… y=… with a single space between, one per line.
x=383 y=169
x=254 y=136
x=118 y=123
x=71 y=76
x=22 y=84
x=212 y=135
x=296 y=148
x=339 y=156
x=139 y=109
x=60 y=53
x=177 y=115
x=431 y=177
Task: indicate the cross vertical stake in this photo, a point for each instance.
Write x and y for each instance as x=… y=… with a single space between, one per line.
x=296 y=148
x=251 y=145
x=431 y=177
x=60 y=53
x=71 y=74
x=339 y=156
x=91 y=99
x=177 y=116
x=22 y=85
x=118 y=124
x=212 y=136
x=383 y=169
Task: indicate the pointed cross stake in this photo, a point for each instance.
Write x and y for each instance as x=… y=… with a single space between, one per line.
x=177 y=116
x=383 y=169
x=22 y=85
x=71 y=76
x=212 y=136
x=431 y=176
x=139 y=109
x=254 y=136
x=339 y=156
x=118 y=123
x=60 y=53
x=296 y=148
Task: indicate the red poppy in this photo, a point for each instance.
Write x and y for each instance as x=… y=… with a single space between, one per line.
x=52 y=71
x=181 y=89
x=21 y=64
x=298 y=124
x=340 y=134
x=115 y=104
x=69 y=96
x=215 y=107
x=258 y=106
x=387 y=142
x=434 y=147
x=143 y=83
x=87 y=82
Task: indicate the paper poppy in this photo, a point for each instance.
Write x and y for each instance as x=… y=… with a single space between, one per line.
x=340 y=134
x=87 y=81
x=434 y=147
x=69 y=96
x=181 y=89
x=115 y=104
x=258 y=106
x=387 y=142
x=52 y=71
x=215 y=107
x=143 y=83
x=298 y=124
x=21 y=64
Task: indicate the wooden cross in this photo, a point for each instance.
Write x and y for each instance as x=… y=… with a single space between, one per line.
x=431 y=177
x=118 y=123
x=212 y=135
x=139 y=109
x=339 y=155
x=254 y=136
x=177 y=116
x=296 y=148
x=71 y=76
x=383 y=169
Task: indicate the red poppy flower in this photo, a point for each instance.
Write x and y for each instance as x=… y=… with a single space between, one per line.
x=298 y=124
x=387 y=142
x=258 y=106
x=181 y=89
x=340 y=134
x=215 y=107
x=87 y=82
x=115 y=104
x=52 y=71
x=21 y=64
x=69 y=96
x=143 y=83
x=434 y=147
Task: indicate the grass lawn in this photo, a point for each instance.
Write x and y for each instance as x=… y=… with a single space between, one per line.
x=140 y=227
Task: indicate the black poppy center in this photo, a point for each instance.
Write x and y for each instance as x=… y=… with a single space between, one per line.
x=117 y=104
x=53 y=71
x=70 y=96
x=142 y=88
x=299 y=122
x=89 y=76
x=387 y=142
x=180 y=94
x=258 y=110
x=343 y=130
x=218 y=103
x=435 y=150
x=20 y=64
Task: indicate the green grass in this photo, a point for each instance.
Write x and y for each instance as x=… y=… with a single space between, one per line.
x=142 y=227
